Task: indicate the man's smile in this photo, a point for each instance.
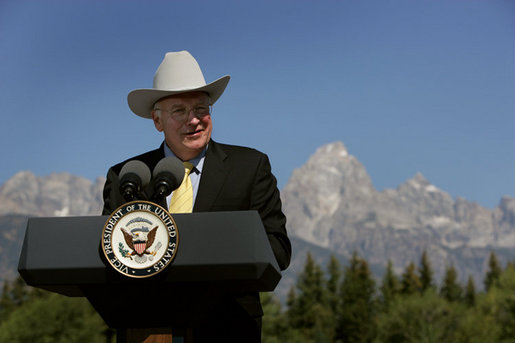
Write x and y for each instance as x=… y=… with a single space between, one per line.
x=193 y=133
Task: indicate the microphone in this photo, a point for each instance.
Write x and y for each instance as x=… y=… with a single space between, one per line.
x=168 y=175
x=133 y=176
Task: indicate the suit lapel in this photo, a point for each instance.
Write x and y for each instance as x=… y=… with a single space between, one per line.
x=214 y=174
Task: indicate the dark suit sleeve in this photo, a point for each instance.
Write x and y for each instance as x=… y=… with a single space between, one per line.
x=266 y=200
x=111 y=194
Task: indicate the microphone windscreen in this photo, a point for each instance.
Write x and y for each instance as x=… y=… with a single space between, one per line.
x=171 y=169
x=136 y=167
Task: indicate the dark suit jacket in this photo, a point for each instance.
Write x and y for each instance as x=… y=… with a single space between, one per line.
x=233 y=178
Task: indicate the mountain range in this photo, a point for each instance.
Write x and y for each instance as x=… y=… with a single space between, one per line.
x=330 y=202
x=332 y=208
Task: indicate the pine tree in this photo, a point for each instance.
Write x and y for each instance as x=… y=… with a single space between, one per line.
x=450 y=289
x=470 y=292
x=273 y=325
x=389 y=287
x=494 y=271
x=358 y=306
x=334 y=271
x=292 y=315
x=291 y=297
x=312 y=283
x=309 y=310
x=410 y=282
x=425 y=272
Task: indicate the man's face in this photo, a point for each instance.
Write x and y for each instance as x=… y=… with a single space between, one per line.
x=187 y=137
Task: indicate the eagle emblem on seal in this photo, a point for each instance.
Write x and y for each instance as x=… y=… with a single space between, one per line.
x=139 y=238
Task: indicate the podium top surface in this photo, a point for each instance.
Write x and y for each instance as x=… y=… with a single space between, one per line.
x=224 y=249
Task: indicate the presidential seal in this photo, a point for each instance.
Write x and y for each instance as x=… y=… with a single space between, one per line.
x=140 y=239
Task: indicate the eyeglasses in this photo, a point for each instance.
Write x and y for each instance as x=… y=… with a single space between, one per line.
x=181 y=113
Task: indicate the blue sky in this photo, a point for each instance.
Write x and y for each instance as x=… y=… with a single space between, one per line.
x=408 y=86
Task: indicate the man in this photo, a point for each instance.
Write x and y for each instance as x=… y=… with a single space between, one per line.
x=223 y=177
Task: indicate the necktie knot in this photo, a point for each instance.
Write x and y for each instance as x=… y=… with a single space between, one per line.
x=188 y=167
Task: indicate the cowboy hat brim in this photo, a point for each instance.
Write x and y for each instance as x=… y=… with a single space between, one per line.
x=141 y=101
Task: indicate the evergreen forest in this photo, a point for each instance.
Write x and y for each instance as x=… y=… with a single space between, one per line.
x=332 y=303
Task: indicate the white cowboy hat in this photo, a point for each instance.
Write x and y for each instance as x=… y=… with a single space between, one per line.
x=178 y=73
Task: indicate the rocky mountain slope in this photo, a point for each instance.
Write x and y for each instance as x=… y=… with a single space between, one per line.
x=59 y=194
x=330 y=202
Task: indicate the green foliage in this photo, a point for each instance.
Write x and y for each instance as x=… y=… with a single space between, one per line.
x=312 y=283
x=53 y=318
x=410 y=282
x=390 y=286
x=5 y=302
x=425 y=272
x=273 y=319
x=333 y=284
x=338 y=305
x=476 y=327
x=494 y=271
x=418 y=318
x=470 y=292
x=358 y=305
x=450 y=289
x=309 y=312
x=15 y=294
x=500 y=304
x=411 y=309
x=30 y=314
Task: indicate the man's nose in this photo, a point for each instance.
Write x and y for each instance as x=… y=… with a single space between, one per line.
x=192 y=117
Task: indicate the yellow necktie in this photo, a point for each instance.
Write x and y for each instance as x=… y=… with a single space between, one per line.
x=182 y=197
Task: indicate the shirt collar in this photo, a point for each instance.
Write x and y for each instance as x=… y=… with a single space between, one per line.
x=197 y=161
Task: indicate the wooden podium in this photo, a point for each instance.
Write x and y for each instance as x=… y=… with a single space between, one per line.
x=219 y=253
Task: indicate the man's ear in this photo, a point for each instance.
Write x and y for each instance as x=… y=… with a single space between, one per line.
x=158 y=122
